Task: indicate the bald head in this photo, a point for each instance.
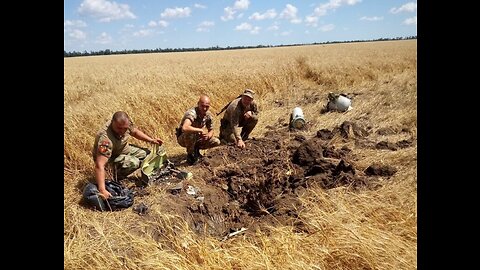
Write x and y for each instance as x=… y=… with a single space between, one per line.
x=204 y=99
x=120 y=123
x=120 y=117
x=203 y=104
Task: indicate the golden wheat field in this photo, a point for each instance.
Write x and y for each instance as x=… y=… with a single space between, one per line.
x=352 y=229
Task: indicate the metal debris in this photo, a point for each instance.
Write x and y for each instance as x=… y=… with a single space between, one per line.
x=167 y=172
x=230 y=235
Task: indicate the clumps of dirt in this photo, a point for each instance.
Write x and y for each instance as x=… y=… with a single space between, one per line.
x=259 y=186
x=325 y=134
x=380 y=170
x=327 y=166
x=405 y=143
x=359 y=134
x=394 y=146
x=312 y=151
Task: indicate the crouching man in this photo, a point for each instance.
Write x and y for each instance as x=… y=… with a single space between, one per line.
x=195 y=131
x=241 y=117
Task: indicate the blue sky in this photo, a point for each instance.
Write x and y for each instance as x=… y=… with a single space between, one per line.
x=93 y=25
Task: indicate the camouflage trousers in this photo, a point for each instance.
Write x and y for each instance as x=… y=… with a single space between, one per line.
x=190 y=140
x=227 y=131
x=128 y=161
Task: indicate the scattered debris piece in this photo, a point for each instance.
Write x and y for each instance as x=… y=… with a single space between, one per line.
x=230 y=235
x=141 y=209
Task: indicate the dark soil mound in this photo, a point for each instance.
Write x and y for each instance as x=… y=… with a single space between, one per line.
x=259 y=185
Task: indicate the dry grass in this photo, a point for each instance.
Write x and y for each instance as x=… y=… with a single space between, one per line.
x=348 y=230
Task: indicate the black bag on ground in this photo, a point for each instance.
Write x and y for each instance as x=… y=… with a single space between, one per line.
x=122 y=197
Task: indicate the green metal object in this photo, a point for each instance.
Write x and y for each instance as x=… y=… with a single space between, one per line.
x=154 y=160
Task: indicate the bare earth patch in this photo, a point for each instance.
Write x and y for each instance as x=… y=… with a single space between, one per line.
x=260 y=185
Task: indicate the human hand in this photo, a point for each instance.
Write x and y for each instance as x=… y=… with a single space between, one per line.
x=240 y=144
x=157 y=141
x=204 y=135
x=248 y=114
x=104 y=194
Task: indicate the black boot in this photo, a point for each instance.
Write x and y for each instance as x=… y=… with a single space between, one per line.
x=193 y=158
x=196 y=152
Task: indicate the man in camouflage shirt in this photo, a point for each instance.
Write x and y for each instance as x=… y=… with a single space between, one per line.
x=111 y=147
x=241 y=116
x=191 y=132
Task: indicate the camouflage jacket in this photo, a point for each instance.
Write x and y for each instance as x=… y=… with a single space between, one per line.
x=197 y=121
x=234 y=114
x=108 y=144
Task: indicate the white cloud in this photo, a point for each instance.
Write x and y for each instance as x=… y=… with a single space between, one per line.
x=269 y=14
x=105 y=11
x=205 y=26
x=374 y=18
x=296 y=21
x=290 y=13
x=410 y=21
x=176 y=12
x=241 y=4
x=229 y=12
x=104 y=38
x=70 y=28
x=322 y=9
x=326 y=28
x=243 y=26
x=77 y=34
x=408 y=7
x=285 y=33
x=199 y=6
x=273 y=28
x=143 y=33
x=160 y=23
x=75 y=23
x=311 y=21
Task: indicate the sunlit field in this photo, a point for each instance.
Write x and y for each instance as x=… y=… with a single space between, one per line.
x=351 y=229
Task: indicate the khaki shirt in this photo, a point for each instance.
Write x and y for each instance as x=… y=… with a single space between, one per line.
x=108 y=144
x=197 y=121
x=234 y=114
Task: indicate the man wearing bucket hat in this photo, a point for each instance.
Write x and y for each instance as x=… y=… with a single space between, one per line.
x=241 y=117
x=191 y=132
x=111 y=148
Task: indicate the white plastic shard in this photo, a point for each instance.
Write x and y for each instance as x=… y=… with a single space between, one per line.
x=234 y=233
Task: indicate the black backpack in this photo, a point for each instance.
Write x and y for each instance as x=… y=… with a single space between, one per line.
x=122 y=197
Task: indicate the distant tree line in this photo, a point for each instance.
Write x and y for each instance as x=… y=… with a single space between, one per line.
x=215 y=48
